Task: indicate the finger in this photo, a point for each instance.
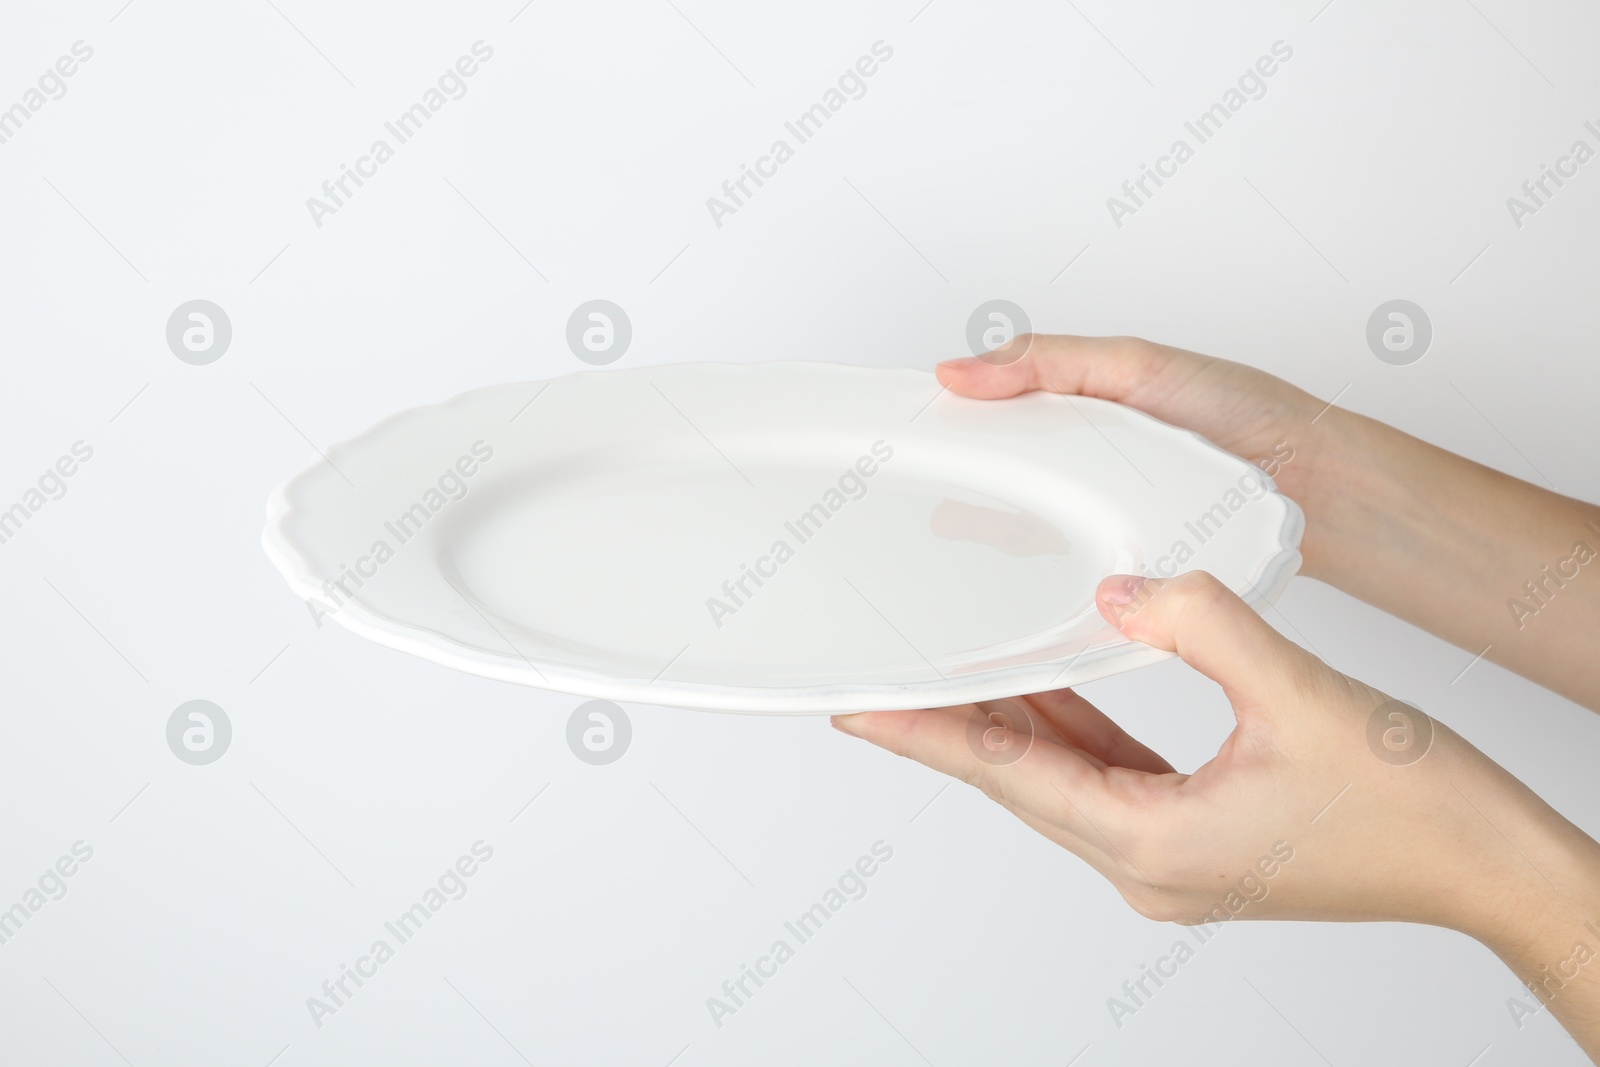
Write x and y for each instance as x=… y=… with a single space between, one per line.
x=1112 y=368
x=1082 y=725
x=1213 y=631
x=1025 y=774
x=1021 y=718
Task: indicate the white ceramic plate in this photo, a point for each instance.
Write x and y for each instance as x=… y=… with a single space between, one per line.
x=768 y=537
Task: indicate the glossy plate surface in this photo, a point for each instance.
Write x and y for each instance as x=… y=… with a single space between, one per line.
x=775 y=538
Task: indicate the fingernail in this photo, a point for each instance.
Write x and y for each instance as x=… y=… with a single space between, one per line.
x=1121 y=589
x=845 y=724
x=961 y=363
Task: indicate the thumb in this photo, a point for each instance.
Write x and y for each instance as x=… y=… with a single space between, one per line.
x=1211 y=630
x=1112 y=368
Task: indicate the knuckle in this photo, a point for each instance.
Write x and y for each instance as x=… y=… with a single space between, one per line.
x=1196 y=595
x=1198 y=586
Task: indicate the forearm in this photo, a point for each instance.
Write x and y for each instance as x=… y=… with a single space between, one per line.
x=1473 y=555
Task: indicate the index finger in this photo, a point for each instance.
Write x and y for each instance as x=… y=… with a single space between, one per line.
x=1053 y=782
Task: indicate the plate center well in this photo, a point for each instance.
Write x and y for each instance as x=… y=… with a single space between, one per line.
x=760 y=568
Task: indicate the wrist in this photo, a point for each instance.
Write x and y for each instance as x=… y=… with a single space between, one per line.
x=1530 y=893
x=1331 y=479
x=1363 y=490
x=1532 y=909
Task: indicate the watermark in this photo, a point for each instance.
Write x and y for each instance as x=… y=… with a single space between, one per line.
x=451 y=885
x=51 y=886
x=199 y=332
x=851 y=486
x=1399 y=332
x=1251 y=888
x=199 y=732
x=1399 y=733
x=599 y=332
x=1552 y=978
x=991 y=329
x=452 y=485
x=851 y=85
x=1539 y=592
x=51 y=485
x=1000 y=732
x=1205 y=527
x=51 y=85
x=1137 y=192
x=1538 y=191
x=599 y=732
x=850 y=886
x=338 y=191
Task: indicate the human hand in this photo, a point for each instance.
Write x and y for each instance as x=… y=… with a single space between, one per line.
x=1244 y=410
x=1410 y=528
x=1313 y=808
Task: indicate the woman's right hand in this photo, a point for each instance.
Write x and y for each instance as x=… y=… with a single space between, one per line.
x=1328 y=801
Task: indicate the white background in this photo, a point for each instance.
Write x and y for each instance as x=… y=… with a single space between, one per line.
x=177 y=166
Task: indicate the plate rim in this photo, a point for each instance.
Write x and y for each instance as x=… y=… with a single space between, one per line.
x=1273 y=575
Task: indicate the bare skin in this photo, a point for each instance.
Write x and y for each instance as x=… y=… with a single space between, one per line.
x=1317 y=766
x=1422 y=533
